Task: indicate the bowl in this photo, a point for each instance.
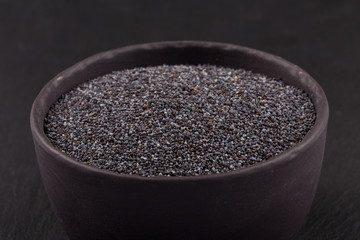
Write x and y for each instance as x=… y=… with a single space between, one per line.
x=268 y=200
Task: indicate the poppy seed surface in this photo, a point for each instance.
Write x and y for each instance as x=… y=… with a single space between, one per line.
x=179 y=120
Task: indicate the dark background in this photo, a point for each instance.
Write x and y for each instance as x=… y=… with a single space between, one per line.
x=38 y=39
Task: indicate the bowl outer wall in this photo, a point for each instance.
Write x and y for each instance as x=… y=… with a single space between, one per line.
x=266 y=201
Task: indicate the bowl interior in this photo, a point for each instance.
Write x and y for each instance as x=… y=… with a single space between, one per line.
x=181 y=52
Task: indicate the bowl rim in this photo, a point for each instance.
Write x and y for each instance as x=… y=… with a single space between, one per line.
x=319 y=100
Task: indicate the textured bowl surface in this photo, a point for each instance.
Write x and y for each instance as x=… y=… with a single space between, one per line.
x=266 y=201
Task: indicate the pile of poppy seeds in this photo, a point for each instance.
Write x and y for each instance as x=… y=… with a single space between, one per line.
x=179 y=120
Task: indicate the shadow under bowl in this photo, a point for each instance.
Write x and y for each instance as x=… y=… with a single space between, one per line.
x=266 y=201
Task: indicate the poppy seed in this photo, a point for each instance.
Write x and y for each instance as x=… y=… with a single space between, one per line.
x=179 y=120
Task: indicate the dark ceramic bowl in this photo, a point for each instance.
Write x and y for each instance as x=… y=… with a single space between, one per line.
x=266 y=201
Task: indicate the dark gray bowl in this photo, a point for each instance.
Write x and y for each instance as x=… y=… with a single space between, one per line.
x=266 y=201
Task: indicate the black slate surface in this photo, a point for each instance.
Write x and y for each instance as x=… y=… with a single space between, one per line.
x=38 y=39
